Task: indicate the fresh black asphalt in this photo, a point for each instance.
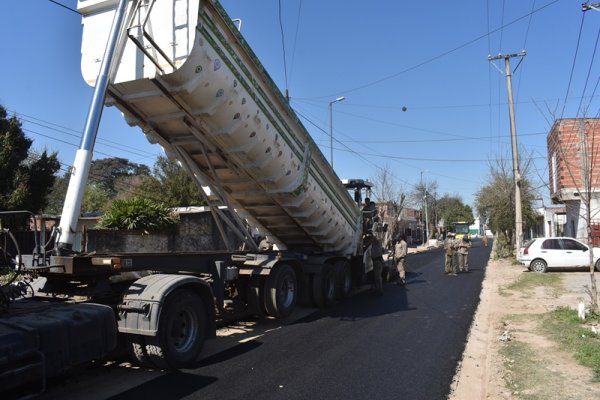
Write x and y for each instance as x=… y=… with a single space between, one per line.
x=405 y=344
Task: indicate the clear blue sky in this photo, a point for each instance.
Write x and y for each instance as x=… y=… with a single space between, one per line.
x=430 y=57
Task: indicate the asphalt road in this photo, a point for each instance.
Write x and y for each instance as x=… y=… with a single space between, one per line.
x=405 y=344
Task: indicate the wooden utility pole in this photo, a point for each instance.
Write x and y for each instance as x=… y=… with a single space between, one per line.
x=515 y=150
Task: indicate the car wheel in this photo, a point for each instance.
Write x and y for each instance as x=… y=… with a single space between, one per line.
x=538 y=266
x=598 y=265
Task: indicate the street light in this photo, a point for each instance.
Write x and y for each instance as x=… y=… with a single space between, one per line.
x=331 y=127
x=425 y=200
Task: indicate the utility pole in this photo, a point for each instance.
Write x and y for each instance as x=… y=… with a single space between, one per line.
x=515 y=150
x=588 y=7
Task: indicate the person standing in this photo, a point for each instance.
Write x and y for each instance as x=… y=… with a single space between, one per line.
x=400 y=252
x=484 y=238
x=450 y=248
x=377 y=257
x=463 y=254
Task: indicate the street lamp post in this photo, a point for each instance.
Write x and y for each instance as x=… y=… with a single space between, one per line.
x=331 y=127
x=426 y=232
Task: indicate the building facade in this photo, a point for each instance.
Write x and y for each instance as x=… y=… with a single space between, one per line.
x=574 y=172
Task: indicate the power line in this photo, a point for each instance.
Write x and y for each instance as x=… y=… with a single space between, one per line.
x=63 y=6
x=573 y=65
x=434 y=58
x=579 y=110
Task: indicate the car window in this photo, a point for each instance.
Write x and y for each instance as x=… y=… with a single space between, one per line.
x=528 y=243
x=570 y=244
x=551 y=244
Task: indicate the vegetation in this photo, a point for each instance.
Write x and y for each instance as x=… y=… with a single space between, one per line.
x=529 y=281
x=138 y=213
x=25 y=177
x=173 y=184
x=495 y=202
x=452 y=209
x=564 y=326
x=117 y=179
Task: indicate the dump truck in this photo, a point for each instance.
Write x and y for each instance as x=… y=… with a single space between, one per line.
x=181 y=72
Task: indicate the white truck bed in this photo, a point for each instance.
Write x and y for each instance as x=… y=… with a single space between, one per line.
x=194 y=86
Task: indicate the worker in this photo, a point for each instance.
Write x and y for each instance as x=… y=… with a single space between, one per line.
x=400 y=251
x=463 y=254
x=450 y=247
x=265 y=245
x=369 y=212
x=377 y=257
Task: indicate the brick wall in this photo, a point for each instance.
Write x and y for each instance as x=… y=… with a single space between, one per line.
x=564 y=144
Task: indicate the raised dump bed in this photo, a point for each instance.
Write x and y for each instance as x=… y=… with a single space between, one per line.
x=188 y=79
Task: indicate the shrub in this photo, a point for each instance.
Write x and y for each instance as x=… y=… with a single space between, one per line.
x=137 y=213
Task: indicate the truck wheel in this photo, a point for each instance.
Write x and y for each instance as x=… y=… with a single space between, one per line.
x=324 y=287
x=181 y=331
x=344 y=278
x=256 y=296
x=281 y=291
x=136 y=344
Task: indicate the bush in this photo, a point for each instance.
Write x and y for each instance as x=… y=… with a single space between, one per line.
x=138 y=214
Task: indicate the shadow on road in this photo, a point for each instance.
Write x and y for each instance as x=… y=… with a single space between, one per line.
x=171 y=386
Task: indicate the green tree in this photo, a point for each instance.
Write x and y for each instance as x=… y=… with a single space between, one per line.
x=106 y=172
x=495 y=201
x=25 y=177
x=171 y=183
x=95 y=199
x=452 y=209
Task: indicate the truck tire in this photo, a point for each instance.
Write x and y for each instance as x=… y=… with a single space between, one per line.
x=256 y=296
x=181 y=331
x=136 y=345
x=281 y=291
x=343 y=278
x=324 y=287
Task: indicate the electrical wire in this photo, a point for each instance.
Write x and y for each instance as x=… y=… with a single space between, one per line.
x=434 y=58
x=63 y=6
x=587 y=78
x=573 y=65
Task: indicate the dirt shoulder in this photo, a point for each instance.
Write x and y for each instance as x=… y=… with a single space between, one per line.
x=509 y=316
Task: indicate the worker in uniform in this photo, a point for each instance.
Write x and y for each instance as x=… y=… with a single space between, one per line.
x=377 y=257
x=463 y=254
x=400 y=252
x=450 y=248
x=265 y=245
x=369 y=211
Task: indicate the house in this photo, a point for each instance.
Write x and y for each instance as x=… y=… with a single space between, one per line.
x=574 y=168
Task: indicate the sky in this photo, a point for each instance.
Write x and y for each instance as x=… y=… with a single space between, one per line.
x=422 y=100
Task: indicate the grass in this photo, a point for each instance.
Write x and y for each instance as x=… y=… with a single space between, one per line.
x=574 y=336
x=529 y=281
x=521 y=377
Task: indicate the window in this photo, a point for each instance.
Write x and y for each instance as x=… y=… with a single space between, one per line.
x=570 y=244
x=551 y=244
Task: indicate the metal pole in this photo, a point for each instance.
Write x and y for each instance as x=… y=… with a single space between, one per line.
x=83 y=157
x=331 y=128
x=331 y=133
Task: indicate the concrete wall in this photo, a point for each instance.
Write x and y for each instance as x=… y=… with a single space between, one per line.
x=195 y=232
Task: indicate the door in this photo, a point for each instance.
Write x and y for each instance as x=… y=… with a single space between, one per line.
x=576 y=254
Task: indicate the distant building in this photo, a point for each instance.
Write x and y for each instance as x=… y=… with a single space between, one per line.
x=574 y=147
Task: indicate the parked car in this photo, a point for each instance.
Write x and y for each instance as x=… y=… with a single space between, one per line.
x=540 y=254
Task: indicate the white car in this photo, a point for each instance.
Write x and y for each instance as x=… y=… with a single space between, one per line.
x=557 y=252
